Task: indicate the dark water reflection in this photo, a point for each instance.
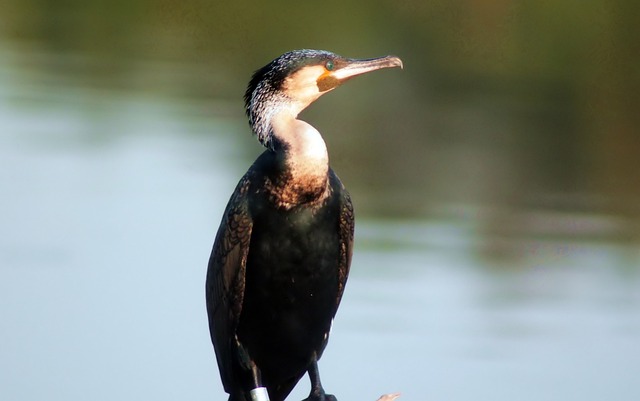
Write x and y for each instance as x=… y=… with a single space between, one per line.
x=498 y=241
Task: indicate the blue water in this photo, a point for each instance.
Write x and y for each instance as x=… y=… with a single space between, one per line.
x=108 y=209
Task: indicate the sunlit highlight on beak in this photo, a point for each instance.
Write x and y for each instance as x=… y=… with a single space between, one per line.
x=359 y=67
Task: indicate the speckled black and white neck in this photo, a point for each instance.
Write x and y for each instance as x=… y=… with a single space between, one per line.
x=266 y=94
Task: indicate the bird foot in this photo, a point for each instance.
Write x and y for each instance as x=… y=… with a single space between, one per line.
x=320 y=396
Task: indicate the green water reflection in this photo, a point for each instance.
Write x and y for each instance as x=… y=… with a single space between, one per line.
x=508 y=104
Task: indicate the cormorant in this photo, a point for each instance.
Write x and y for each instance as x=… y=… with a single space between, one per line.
x=281 y=256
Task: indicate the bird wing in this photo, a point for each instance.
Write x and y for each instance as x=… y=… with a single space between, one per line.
x=347 y=225
x=226 y=278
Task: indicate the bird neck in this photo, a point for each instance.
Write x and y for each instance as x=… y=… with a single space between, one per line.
x=301 y=145
x=303 y=158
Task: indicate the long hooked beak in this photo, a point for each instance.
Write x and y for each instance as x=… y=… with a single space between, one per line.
x=354 y=67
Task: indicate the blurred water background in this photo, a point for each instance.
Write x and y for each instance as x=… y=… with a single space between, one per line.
x=496 y=181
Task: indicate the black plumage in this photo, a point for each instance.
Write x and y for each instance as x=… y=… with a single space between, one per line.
x=281 y=256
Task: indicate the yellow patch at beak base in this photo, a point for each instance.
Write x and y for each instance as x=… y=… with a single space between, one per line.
x=327 y=82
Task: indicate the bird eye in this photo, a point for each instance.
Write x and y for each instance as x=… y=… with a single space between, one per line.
x=329 y=65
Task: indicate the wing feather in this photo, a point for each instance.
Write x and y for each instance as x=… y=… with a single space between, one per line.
x=347 y=226
x=226 y=278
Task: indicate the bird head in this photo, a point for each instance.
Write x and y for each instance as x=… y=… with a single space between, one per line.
x=296 y=79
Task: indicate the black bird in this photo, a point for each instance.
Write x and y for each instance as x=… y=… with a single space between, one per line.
x=281 y=257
